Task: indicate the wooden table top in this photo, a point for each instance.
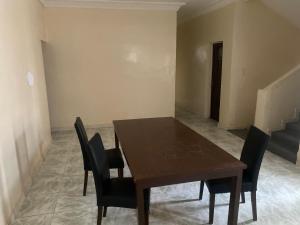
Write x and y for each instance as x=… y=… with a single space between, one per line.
x=164 y=151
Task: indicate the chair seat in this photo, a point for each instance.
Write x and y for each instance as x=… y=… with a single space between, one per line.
x=114 y=157
x=119 y=192
x=219 y=186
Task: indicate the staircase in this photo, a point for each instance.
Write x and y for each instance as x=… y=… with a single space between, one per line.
x=277 y=102
x=285 y=143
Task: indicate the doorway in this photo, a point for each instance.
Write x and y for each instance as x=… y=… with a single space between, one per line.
x=216 y=81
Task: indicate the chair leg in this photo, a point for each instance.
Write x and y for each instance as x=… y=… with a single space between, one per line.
x=99 y=219
x=211 y=208
x=105 y=211
x=120 y=172
x=243 y=197
x=254 y=208
x=201 y=190
x=86 y=176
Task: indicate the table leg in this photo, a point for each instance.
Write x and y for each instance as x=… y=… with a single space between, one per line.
x=143 y=218
x=116 y=141
x=235 y=199
x=147 y=196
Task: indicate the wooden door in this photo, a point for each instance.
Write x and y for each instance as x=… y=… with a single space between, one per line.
x=216 y=81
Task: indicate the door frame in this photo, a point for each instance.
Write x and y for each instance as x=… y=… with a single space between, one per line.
x=208 y=83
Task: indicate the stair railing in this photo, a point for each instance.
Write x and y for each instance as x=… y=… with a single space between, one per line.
x=279 y=102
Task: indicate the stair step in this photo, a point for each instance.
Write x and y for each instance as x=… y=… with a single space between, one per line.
x=282 y=144
x=287 y=139
x=280 y=150
x=294 y=127
x=294 y=134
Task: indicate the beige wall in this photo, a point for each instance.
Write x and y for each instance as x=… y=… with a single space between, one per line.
x=106 y=64
x=266 y=46
x=259 y=47
x=194 y=52
x=25 y=128
x=279 y=103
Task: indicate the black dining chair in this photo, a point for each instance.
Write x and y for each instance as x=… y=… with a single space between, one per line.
x=252 y=155
x=111 y=192
x=114 y=155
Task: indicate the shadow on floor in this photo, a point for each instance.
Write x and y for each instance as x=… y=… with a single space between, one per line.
x=242 y=133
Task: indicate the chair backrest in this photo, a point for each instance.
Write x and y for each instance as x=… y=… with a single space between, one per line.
x=83 y=139
x=99 y=164
x=253 y=152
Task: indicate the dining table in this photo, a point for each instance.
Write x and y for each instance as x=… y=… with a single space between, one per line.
x=164 y=151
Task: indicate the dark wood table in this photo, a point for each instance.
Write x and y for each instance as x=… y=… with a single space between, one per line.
x=163 y=151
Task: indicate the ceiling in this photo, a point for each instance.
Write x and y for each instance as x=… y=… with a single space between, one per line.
x=189 y=8
x=194 y=8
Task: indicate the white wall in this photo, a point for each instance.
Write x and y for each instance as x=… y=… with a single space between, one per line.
x=194 y=53
x=266 y=46
x=279 y=102
x=259 y=47
x=104 y=64
x=25 y=128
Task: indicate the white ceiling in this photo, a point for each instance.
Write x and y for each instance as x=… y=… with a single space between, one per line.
x=189 y=9
x=194 y=8
x=290 y=9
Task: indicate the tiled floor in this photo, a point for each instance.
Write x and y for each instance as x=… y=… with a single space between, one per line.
x=55 y=197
